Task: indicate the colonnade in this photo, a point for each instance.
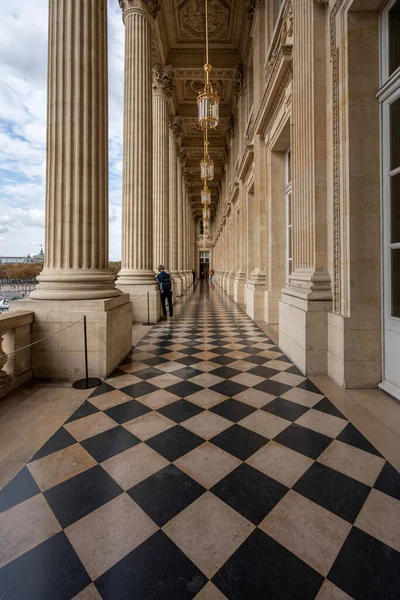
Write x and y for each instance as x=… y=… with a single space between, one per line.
x=156 y=215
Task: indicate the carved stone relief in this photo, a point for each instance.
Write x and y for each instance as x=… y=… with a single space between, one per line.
x=191 y=19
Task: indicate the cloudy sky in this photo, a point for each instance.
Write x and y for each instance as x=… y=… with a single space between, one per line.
x=23 y=81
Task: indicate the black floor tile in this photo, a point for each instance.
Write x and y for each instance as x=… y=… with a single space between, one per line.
x=228 y=388
x=389 y=481
x=73 y=499
x=116 y=373
x=328 y=408
x=265 y=372
x=155 y=361
x=85 y=410
x=251 y=349
x=226 y=372
x=295 y=371
x=239 y=441
x=175 y=442
x=165 y=494
x=183 y=389
x=61 y=439
x=222 y=350
x=233 y=410
x=250 y=492
x=187 y=372
x=338 y=493
x=273 y=387
x=222 y=360
x=263 y=569
x=137 y=390
x=366 y=569
x=309 y=386
x=21 y=488
x=189 y=351
x=127 y=411
x=148 y=373
x=304 y=440
x=188 y=361
x=52 y=570
x=156 y=570
x=285 y=409
x=257 y=360
x=181 y=410
x=351 y=435
x=109 y=443
x=103 y=388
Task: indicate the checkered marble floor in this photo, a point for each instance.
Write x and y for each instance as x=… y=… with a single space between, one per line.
x=207 y=466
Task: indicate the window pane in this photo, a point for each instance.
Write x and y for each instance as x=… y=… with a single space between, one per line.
x=396 y=283
x=394 y=37
x=395 y=208
x=395 y=134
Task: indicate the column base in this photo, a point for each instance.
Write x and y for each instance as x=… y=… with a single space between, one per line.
x=177 y=283
x=355 y=348
x=184 y=280
x=230 y=283
x=79 y=284
x=109 y=330
x=224 y=284
x=255 y=289
x=239 y=295
x=303 y=334
x=146 y=302
x=271 y=306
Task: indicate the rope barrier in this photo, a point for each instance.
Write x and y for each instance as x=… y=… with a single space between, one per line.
x=41 y=340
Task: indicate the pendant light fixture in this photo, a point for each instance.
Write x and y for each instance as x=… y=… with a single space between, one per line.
x=206 y=165
x=208 y=100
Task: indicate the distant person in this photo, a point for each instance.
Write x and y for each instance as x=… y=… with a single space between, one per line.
x=211 y=275
x=194 y=276
x=165 y=284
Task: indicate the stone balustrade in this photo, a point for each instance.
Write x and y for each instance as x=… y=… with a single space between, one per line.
x=15 y=333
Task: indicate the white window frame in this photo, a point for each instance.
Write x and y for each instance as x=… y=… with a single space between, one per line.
x=388 y=93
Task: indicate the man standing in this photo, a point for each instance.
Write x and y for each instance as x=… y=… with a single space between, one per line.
x=165 y=283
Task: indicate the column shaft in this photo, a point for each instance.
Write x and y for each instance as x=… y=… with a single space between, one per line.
x=137 y=205
x=76 y=260
x=173 y=213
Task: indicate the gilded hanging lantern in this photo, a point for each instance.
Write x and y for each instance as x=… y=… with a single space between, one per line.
x=205 y=195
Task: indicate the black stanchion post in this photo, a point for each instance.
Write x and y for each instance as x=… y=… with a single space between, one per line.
x=148 y=311
x=88 y=382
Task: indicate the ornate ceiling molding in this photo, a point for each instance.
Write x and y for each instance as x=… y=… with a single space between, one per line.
x=163 y=79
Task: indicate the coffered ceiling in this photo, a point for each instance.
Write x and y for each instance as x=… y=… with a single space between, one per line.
x=179 y=41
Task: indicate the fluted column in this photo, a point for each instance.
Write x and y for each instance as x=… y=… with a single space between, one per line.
x=181 y=199
x=162 y=89
x=137 y=205
x=76 y=260
x=175 y=128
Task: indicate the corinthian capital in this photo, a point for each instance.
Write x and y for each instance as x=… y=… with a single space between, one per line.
x=163 y=79
x=176 y=126
x=182 y=155
x=150 y=6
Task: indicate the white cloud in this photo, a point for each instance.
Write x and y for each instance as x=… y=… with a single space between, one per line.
x=23 y=93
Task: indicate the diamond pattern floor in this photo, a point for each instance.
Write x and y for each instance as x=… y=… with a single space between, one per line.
x=207 y=466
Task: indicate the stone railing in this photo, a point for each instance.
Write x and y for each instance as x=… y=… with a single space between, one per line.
x=15 y=335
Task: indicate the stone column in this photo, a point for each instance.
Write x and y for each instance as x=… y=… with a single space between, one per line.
x=137 y=275
x=181 y=200
x=76 y=260
x=175 y=129
x=163 y=81
x=240 y=280
x=75 y=280
x=232 y=250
